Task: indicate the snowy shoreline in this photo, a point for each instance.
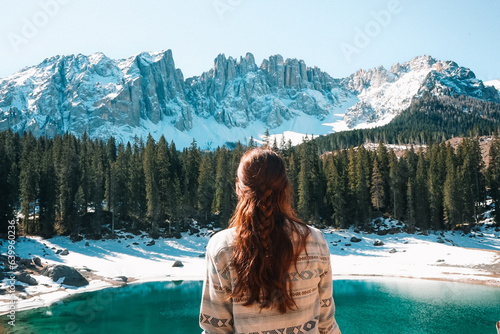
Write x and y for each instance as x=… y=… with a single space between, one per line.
x=450 y=256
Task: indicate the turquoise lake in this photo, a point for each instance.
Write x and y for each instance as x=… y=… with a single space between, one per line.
x=362 y=306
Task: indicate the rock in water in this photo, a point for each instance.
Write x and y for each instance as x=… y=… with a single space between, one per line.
x=378 y=243
x=64 y=252
x=355 y=239
x=71 y=275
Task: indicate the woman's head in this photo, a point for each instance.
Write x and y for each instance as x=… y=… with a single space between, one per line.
x=262 y=184
x=263 y=249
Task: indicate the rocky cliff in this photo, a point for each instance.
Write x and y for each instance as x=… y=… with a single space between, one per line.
x=232 y=101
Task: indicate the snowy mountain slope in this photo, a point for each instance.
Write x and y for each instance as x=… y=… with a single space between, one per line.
x=383 y=94
x=234 y=100
x=493 y=83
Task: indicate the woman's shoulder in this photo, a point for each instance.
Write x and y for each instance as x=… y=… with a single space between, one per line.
x=317 y=237
x=312 y=232
x=221 y=240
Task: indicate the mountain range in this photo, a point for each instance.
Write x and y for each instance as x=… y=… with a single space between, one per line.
x=235 y=100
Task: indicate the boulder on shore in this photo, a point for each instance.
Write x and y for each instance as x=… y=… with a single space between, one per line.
x=71 y=275
x=26 y=278
x=178 y=264
x=37 y=261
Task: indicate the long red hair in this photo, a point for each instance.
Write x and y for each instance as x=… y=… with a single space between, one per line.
x=265 y=221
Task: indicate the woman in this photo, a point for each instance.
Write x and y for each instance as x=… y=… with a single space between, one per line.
x=269 y=272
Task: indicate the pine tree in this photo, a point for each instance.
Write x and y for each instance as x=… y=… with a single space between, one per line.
x=9 y=177
x=303 y=191
x=405 y=173
x=351 y=183
x=67 y=171
x=383 y=166
x=472 y=178
x=222 y=200
x=206 y=183
x=176 y=173
x=29 y=178
x=97 y=190
x=191 y=168
x=119 y=196
x=251 y=143
x=410 y=215
x=151 y=177
x=85 y=171
x=377 y=188
x=293 y=174
x=267 y=142
x=47 y=195
x=363 y=186
x=236 y=155
x=136 y=185
x=275 y=145
x=165 y=182
x=451 y=192
x=111 y=149
x=396 y=194
x=282 y=146
x=493 y=176
x=336 y=191
x=421 y=194
x=435 y=184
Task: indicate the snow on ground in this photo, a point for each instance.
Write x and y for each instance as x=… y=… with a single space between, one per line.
x=451 y=255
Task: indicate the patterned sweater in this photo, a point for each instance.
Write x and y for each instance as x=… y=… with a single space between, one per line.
x=312 y=292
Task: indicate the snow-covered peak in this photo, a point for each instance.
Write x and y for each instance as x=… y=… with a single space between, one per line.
x=235 y=99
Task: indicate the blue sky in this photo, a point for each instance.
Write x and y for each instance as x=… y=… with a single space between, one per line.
x=337 y=36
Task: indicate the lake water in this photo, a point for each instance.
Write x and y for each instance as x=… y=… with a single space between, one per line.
x=362 y=306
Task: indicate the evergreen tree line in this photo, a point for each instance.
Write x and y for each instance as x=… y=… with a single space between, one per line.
x=440 y=188
x=69 y=185
x=429 y=119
